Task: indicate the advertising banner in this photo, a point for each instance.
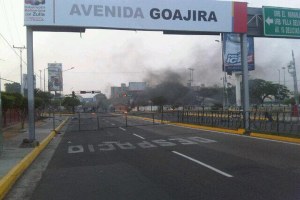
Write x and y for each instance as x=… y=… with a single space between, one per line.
x=232 y=53
x=177 y=15
x=55 y=80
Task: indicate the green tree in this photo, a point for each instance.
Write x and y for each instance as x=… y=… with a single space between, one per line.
x=102 y=102
x=44 y=97
x=282 y=92
x=70 y=103
x=12 y=87
x=260 y=90
x=7 y=103
x=20 y=103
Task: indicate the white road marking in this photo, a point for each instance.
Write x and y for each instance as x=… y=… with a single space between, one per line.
x=112 y=124
x=91 y=148
x=203 y=164
x=114 y=145
x=138 y=136
x=123 y=129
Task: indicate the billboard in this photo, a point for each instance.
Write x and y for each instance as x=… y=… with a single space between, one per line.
x=176 y=15
x=137 y=86
x=232 y=53
x=55 y=80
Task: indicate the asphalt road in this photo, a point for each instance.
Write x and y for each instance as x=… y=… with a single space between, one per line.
x=167 y=162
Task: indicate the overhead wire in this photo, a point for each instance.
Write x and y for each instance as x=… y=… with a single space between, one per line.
x=7 y=21
x=11 y=47
x=14 y=21
x=8 y=80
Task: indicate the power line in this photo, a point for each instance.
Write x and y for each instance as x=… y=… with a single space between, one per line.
x=7 y=21
x=12 y=48
x=8 y=80
x=14 y=21
x=21 y=59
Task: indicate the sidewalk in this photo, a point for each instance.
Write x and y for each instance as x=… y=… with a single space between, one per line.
x=14 y=159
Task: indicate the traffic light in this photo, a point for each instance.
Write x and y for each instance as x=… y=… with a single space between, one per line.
x=82 y=92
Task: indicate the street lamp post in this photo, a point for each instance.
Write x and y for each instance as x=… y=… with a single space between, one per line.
x=66 y=70
x=225 y=94
x=279 y=76
x=283 y=68
x=62 y=88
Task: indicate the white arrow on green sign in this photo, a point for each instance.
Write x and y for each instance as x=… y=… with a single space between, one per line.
x=281 y=22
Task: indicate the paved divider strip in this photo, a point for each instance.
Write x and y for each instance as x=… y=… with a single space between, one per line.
x=239 y=131
x=276 y=137
x=12 y=176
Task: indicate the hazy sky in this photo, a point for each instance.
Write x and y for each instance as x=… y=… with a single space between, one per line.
x=105 y=58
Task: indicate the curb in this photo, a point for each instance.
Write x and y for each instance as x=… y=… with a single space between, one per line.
x=12 y=176
x=275 y=137
x=238 y=131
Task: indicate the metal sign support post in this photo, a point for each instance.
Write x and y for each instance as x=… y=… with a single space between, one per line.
x=246 y=104
x=31 y=127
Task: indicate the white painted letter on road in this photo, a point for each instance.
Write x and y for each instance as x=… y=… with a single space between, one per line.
x=75 y=149
x=107 y=146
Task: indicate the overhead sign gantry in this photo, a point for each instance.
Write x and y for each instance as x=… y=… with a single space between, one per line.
x=188 y=15
x=203 y=16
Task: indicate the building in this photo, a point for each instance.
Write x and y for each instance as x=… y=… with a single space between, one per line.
x=124 y=91
x=117 y=92
x=137 y=86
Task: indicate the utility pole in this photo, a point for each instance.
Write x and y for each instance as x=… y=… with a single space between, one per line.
x=45 y=80
x=293 y=72
x=40 y=80
x=21 y=60
x=283 y=68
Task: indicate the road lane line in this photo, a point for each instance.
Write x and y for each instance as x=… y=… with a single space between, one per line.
x=112 y=124
x=123 y=129
x=203 y=164
x=138 y=136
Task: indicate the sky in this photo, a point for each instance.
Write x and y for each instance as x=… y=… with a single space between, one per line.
x=104 y=58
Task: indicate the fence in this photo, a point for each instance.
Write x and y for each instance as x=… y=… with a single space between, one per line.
x=99 y=121
x=274 y=122
x=10 y=117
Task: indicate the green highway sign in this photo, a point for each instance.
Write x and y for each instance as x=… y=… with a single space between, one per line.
x=281 y=22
